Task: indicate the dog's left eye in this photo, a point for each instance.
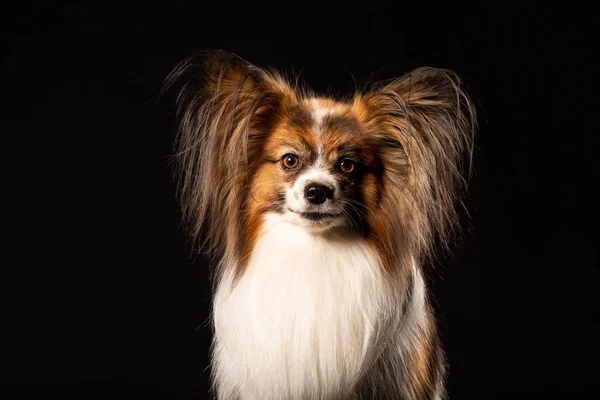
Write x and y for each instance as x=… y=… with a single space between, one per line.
x=346 y=166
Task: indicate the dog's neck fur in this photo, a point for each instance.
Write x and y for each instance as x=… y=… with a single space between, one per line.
x=309 y=316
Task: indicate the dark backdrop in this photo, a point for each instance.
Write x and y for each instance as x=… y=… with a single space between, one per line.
x=101 y=296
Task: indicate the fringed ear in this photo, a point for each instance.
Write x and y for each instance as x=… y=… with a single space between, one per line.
x=425 y=124
x=225 y=109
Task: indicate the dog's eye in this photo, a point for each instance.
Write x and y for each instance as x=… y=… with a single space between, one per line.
x=290 y=161
x=347 y=166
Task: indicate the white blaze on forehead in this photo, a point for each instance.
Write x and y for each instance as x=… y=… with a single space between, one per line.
x=320 y=109
x=318 y=172
x=319 y=113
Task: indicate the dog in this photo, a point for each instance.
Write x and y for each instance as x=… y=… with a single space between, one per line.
x=319 y=215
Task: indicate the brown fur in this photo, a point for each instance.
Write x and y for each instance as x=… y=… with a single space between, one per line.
x=413 y=135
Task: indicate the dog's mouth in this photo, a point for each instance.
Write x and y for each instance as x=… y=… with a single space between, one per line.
x=317 y=216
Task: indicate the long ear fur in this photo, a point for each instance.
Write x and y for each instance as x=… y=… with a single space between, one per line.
x=425 y=123
x=225 y=109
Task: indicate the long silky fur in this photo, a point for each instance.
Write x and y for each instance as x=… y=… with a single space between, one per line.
x=427 y=123
x=216 y=108
x=423 y=126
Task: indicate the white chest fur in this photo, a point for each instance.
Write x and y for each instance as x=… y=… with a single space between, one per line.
x=303 y=319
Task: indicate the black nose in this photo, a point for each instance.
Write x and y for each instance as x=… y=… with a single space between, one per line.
x=317 y=194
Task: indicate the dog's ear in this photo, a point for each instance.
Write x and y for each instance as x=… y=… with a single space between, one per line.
x=226 y=109
x=228 y=101
x=424 y=123
x=426 y=105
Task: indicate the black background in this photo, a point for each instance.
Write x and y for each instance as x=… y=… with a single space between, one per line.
x=101 y=296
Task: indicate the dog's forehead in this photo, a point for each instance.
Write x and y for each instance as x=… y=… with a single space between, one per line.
x=323 y=124
x=323 y=111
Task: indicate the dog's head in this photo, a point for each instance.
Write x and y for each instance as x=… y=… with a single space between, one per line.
x=385 y=163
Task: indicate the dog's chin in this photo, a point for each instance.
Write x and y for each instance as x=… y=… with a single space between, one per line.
x=315 y=221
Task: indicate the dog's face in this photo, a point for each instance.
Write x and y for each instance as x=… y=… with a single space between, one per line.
x=386 y=163
x=318 y=168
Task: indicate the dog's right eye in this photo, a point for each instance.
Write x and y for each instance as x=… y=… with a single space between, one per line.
x=290 y=161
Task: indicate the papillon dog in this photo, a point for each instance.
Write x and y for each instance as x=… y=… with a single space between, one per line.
x=319 y=215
